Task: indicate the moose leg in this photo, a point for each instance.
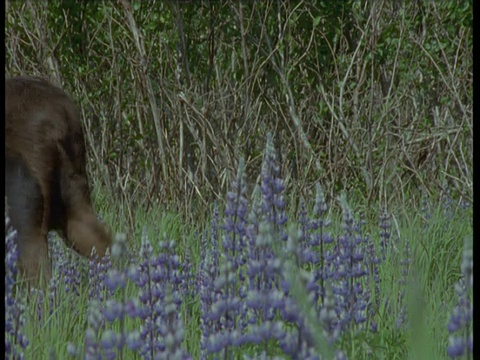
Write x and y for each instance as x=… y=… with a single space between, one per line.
x=26 y=210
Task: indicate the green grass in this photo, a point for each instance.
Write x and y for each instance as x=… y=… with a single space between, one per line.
x=436 y=247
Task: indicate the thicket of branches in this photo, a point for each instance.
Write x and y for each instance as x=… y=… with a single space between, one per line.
x=374 y=96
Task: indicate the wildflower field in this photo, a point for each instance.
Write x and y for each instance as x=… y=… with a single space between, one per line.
x=345 y=234
x=258 y=283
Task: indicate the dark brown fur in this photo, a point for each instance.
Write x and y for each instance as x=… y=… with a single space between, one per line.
x=46 y=181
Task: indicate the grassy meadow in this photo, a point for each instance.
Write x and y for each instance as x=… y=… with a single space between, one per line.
x=286 y=179
x=257 y=281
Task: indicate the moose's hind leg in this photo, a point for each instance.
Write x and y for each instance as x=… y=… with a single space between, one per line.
x=25 y=208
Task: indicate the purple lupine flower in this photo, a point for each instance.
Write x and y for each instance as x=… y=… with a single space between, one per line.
x=97 y=270
x=15 y=341
x=119 y=246
x=109 y=342
x=101 y=341
x=267 y=221
x=112 y=342
x=72 y=350
x=329 y=318
x=115 y=280
x=305 y=339
x=347 y=270
x=263 y=268
x=464 y=204
x=113 y=310
x=172 y=329
x=149 y=297
x=67 y=265
x=214 y=229
x=305 y=251
x=206 y=274
x=155 y=274
x=223 y=312
x=308 y=250
x=460 y=326
x=298 y=343
x=272 y=188
x=235 y=221
x=371 y=261
x=467 y=262
x=227 y=309
x=385 y=233
x=405 y=271
x=320 y=239
x=268 y=290
x=94 y=324
x=188 y=281
x=37 y=297
x=264 y=298
x=133 y=340
x=69 y=270
x=56 y=250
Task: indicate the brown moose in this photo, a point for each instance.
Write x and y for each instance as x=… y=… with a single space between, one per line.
x=46 y=184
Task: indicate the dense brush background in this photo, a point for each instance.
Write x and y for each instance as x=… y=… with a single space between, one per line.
x=373 y=98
